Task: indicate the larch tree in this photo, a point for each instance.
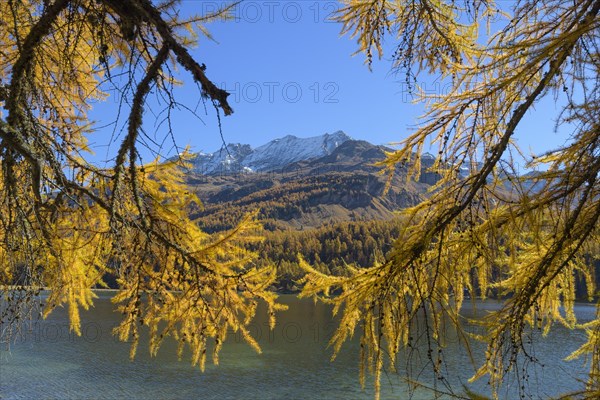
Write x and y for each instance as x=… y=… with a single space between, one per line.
x=65 y=222
x=526 y=239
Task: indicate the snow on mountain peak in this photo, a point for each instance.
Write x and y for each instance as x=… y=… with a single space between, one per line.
x=271 y=156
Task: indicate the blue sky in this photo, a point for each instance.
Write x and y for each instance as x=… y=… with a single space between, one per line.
x=290 y=72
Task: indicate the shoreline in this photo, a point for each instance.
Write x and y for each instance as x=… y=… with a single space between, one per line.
x=294 y=290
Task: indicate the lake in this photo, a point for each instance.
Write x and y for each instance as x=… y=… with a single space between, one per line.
x=50 y=362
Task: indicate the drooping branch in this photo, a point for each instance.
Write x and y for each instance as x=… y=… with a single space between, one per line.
x=145 y=10
x=489 y=232
x=26 y=57
x=128 y=146
x=478 y=181
x=81 y=221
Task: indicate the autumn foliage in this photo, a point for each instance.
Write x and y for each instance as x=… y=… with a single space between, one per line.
x=66 y=222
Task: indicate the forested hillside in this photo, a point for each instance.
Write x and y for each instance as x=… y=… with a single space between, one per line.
x=333 y=210
x=345 y=185
x=329 y=248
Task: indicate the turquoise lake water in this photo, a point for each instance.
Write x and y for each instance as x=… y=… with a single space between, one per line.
x=49 y=362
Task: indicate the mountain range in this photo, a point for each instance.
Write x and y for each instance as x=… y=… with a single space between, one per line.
x=301 y=183
x=277 y=154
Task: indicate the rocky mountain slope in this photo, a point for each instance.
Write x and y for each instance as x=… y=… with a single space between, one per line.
x=303 y=183
x=275 y=155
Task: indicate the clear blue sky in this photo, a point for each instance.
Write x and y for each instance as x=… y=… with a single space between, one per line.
x=290 y=72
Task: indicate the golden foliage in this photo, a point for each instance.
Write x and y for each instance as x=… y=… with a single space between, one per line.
x=65 y=222
x=524 y=238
